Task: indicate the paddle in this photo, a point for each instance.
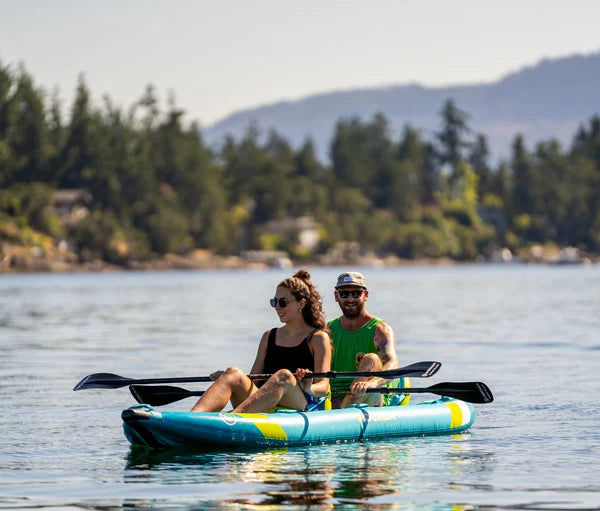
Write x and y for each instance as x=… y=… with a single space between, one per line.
x=472 y=392
x=158 y=395
x=114 y=381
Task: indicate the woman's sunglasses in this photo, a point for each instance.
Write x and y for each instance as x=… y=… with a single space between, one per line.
x=355 y=294
x=281 y=301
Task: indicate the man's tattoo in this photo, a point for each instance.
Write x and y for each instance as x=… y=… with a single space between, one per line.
x=382 y=341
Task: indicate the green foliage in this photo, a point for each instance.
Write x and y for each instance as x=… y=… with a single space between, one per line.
x=462 y=213
x=348 y=201
x=414 y=240
x=31 y=205
x=271 y=241
x=479 y=162
x=473 y=240
x=522 y=224
x=512 y=241
x=99 y=236
x=167 y=229
x=306 y=163
x=587 y=141
x=523 y=178
x=157 y=188
x=350 y=154
x=94 y=235
x=492 y=200
x=452 y=137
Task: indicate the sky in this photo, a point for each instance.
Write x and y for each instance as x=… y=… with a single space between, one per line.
x=218 y=57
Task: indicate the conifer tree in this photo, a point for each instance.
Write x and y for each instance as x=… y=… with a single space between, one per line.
x=522 y=176
x=76 y=159
x=478 y=158
x=451 y=138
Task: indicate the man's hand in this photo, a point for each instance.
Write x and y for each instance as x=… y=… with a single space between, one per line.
x=359 y=388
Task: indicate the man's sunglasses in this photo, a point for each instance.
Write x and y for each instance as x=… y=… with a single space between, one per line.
x=355 y=294
x=281 y=301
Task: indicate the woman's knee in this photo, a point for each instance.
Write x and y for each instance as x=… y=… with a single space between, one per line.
x=283 y=377
x=235 y=377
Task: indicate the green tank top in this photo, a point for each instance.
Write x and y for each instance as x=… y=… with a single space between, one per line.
x=347 y=344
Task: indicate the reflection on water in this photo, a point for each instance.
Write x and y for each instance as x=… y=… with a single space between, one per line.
x=352 y=474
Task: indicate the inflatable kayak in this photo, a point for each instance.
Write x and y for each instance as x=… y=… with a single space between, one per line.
x=143 y=425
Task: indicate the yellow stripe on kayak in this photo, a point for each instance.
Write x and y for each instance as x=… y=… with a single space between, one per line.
x=406 y=384
x=461 y=414
x=456 y=415
x=269 y=429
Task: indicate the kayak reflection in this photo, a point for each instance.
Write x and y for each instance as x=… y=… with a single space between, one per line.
x=325 y=476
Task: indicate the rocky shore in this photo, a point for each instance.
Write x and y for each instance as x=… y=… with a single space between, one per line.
x=18 y=259
x=52 y=259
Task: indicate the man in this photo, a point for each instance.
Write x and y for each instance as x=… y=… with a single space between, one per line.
x=361 y=342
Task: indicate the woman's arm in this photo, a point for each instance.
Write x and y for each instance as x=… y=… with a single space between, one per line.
x=321 y=348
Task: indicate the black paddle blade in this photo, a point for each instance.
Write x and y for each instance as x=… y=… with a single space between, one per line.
x=417 y=370
x=472 y=392
x=420 y=369
x=486 y=393
x=114 y=381
x=102 y=381
x=158 y=395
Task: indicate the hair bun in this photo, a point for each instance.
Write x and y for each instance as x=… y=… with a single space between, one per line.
x=302 y=275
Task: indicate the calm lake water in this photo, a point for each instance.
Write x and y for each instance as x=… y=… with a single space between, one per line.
x=532 y=333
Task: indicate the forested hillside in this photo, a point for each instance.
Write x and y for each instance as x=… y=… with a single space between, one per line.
x=149 y=185
x=546 y=100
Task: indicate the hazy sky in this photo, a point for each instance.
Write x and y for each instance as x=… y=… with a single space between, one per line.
x=224 y=55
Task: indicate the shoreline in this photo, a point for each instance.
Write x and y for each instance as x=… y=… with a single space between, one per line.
x=204 y=260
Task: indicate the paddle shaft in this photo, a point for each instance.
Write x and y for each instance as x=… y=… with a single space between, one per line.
x=114 y=381
x=473 y=392
x=191 y=379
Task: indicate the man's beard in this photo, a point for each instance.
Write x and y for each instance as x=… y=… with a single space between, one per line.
x=353 y=312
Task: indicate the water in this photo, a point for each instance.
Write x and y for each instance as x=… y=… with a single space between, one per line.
x=531 y=333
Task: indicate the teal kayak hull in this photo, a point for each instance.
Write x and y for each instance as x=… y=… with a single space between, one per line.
x=143 y=425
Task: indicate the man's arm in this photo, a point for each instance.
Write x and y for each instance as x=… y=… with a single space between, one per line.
x=385 y=343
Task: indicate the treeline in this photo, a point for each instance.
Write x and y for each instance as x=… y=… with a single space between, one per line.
x=157 y=187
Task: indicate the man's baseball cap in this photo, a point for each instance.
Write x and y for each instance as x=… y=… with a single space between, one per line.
x=351 y=278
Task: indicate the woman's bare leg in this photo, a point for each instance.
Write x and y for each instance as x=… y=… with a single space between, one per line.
x=281 y=389
x=233 y=385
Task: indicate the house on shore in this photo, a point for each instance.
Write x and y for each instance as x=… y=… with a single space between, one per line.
x=72 y=205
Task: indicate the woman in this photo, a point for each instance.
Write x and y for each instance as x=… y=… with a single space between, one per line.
x=292 y=352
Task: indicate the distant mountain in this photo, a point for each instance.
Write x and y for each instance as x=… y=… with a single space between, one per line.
x=548 y=100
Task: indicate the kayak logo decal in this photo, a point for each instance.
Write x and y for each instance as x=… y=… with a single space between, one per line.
x=228 y=418
x=269 y=428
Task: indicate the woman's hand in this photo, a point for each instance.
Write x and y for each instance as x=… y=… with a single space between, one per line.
x=304 y=382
